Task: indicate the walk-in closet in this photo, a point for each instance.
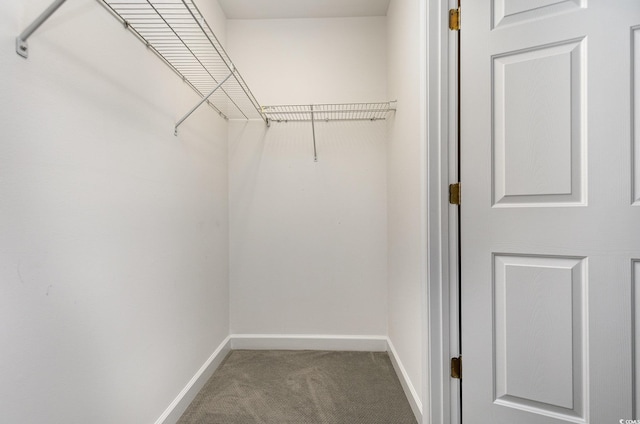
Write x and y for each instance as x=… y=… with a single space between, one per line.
x=183 y=179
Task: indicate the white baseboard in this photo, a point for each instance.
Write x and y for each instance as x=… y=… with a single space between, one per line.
x=308 y=342
x=405 y=381
x=324 y=342
x=290 y=342
x=173 y=413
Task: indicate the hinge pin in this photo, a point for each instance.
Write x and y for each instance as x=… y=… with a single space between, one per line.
x=456 y=367
x=454 y=19
x=454 y=194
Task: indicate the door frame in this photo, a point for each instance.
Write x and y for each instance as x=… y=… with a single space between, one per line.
x=441 y=401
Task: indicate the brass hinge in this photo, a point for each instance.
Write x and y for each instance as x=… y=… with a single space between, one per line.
x=454 y=19
x=454 y=194
x=456 y=367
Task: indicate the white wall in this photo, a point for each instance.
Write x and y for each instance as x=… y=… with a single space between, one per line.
x=113 y=232
x=303 y=61
x=308 y=240
x=407 y=185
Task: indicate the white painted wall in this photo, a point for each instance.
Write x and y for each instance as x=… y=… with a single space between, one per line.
x=303 y=61
x=406 y=160
x=113 y=232
x=308 y=240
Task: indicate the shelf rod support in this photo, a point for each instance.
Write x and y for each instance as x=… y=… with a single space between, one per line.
x=313 y=130
x=204 y=99
x=22 y=47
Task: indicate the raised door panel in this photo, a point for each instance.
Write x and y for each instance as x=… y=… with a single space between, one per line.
x=507 y=12
x=538 y=140
x=539 y=305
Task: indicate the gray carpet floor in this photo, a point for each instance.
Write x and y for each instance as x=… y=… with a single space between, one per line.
x=301 y=387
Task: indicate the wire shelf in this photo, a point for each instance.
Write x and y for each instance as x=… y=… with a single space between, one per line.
x=329 y=112
x=177 y=32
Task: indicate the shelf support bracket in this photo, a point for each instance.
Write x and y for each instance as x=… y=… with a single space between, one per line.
x=313 y=130
x=22 y=47
x=204 y=99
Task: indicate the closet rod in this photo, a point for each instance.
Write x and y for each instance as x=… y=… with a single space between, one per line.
x=203 y=100
x=22 y=47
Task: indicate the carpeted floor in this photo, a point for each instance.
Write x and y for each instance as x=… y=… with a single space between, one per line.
x=301 y=387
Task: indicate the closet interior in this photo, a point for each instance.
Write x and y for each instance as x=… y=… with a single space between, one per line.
x=191 y=207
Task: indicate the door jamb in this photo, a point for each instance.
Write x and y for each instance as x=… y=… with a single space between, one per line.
x=441 y=404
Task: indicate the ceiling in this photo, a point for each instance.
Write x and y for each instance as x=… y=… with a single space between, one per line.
x=280 y=9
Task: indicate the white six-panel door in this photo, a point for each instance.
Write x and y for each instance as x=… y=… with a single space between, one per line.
x=550 y=215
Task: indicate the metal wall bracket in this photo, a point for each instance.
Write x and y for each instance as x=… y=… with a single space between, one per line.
x=22 y=47
x=313 y=130
x=205 y=99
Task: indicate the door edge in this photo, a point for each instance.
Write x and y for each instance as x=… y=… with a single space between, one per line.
x=442 y=402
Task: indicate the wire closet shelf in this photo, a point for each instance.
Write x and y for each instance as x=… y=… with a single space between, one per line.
x=329 y=112
x=177 y=32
